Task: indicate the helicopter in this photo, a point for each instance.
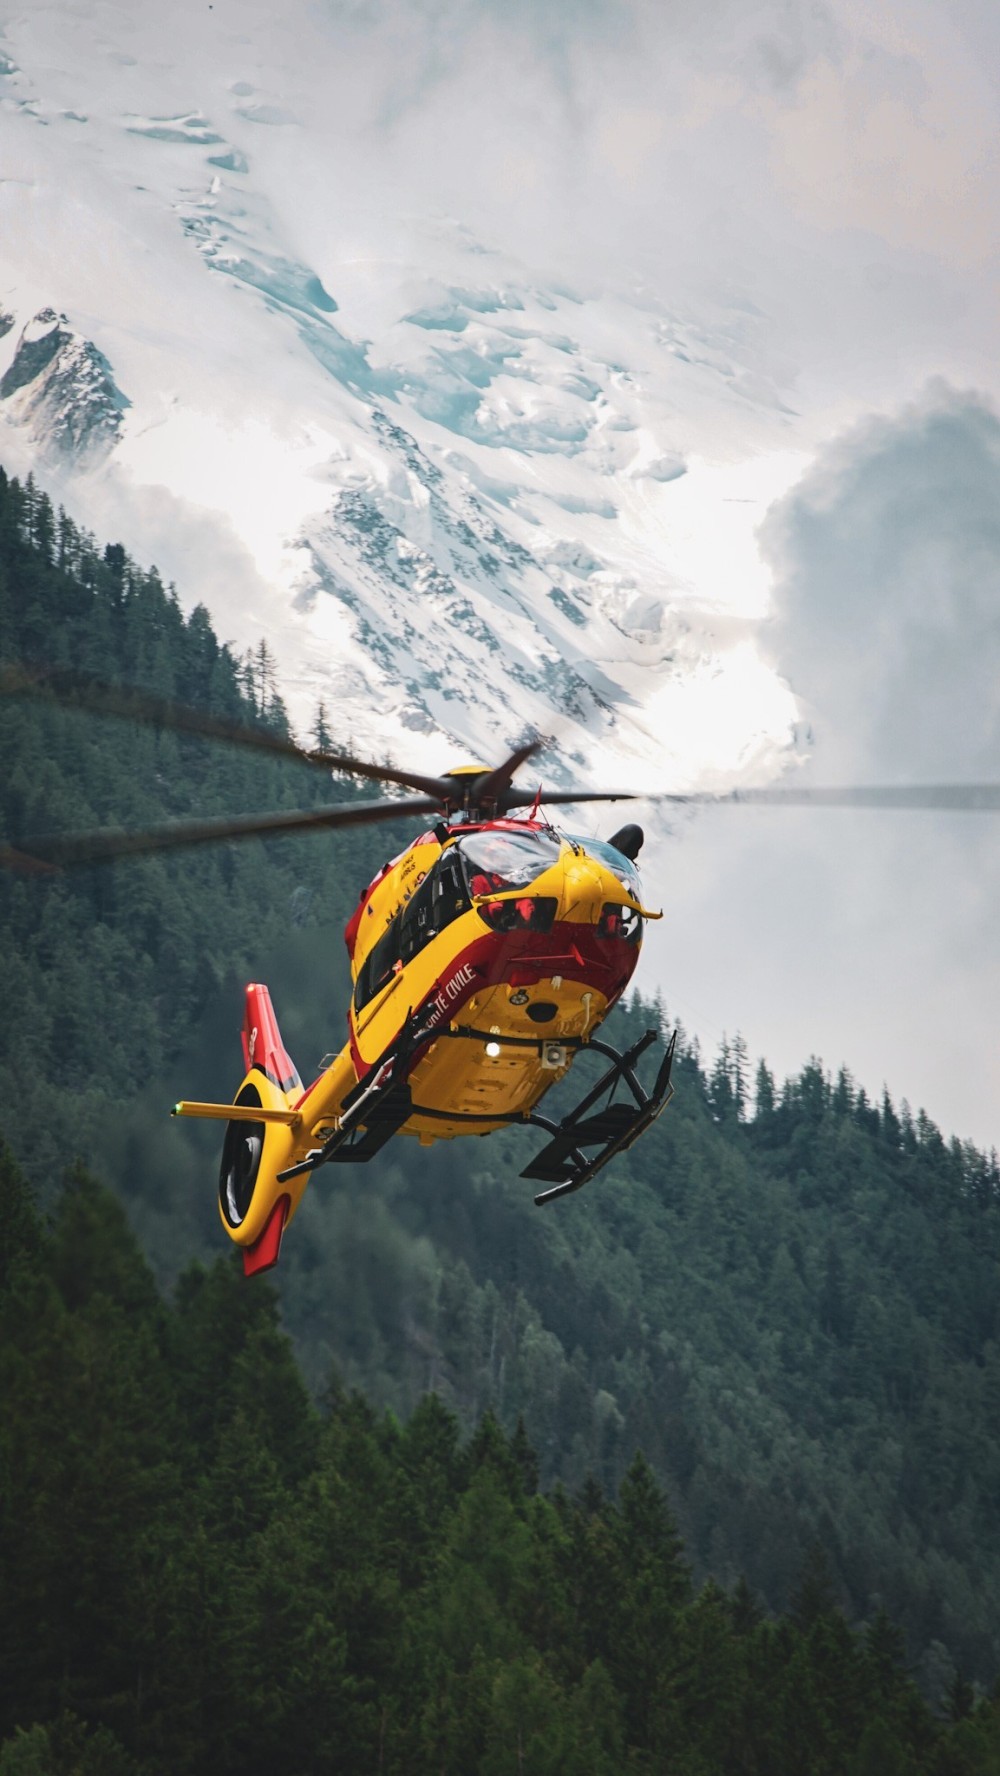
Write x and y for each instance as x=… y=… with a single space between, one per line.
x=484 y=958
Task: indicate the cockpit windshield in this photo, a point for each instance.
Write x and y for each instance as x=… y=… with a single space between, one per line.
x=497 y=860
x=619 y=865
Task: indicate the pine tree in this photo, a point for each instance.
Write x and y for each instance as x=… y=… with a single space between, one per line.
x=740 y=1067
x=525 y=1457
x=814 y=1597
x=655 y=1585
x=961 y=1699
x=722 y=1096
x=885 y=1653
x=20 y=1228
x=744 y=1609
x=764 y=1092
x=320 y=733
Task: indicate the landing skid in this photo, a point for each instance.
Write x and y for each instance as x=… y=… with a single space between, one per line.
x=372 y=1113
x=611 y=1130
x=379 y=1105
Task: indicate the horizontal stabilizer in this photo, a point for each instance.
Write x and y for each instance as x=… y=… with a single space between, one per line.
x=236 y=1113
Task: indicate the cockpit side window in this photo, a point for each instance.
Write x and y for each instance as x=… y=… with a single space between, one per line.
x=379 y=965
x=441 y=897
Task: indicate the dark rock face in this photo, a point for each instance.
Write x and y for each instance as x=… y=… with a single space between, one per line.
x=62 y=388
x=37 y=347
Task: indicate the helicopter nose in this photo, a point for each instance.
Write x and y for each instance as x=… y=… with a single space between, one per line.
x=585 y=890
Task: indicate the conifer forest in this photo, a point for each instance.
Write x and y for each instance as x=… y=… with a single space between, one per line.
x=696 y=1473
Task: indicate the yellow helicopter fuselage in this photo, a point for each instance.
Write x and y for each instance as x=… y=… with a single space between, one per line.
x=482 y=959
x=531 y=993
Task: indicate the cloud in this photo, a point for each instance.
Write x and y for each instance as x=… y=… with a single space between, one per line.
x=887 y=562
x=870 y=939
x=836 y=165
x=888 y=144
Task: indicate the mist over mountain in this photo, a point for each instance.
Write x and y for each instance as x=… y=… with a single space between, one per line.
x=553 y=368
x=462 y=493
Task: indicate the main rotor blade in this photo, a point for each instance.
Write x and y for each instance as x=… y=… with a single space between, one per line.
x=519 y=798
x=496 y=786
x=946 y=798
x=159 y=712
x=64 y=850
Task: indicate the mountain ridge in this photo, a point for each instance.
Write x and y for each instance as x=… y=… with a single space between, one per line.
x=786 y=1295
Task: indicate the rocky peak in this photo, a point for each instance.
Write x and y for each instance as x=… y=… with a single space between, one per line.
x=62 y=388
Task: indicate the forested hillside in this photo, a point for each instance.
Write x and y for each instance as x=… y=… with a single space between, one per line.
x=108 y=969
x=200 y=1572
x=786 y=1296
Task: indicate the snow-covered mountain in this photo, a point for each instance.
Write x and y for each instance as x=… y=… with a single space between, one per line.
x=458 y=349
x=461 y=498
x=60 y=388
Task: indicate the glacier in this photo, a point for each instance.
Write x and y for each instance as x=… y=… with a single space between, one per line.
x=461 y=498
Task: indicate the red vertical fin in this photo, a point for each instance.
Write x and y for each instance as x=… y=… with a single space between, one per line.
x=262 y=1044
x=263 y=1254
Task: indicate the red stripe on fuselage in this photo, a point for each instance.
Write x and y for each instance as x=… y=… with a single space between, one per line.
x=523 y=958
